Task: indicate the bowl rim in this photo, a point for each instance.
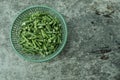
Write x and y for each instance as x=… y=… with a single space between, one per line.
x=59 y=50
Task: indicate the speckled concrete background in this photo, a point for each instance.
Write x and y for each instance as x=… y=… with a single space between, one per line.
x=91 y=53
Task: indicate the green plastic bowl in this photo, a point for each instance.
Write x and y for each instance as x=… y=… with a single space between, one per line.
x=16 y=26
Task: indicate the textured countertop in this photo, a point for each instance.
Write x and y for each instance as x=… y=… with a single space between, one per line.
x=92 y=51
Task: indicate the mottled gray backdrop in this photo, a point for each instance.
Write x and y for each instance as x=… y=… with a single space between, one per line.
x=92 y=51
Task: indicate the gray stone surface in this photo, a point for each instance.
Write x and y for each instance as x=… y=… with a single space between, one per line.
x=93 y=31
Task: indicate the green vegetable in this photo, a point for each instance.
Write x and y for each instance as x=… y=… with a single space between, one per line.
x=40 y=33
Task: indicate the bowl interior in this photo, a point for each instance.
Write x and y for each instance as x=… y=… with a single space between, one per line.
x=16 y=27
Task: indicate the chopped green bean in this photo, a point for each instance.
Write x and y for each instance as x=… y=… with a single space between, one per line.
x=40 y=33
